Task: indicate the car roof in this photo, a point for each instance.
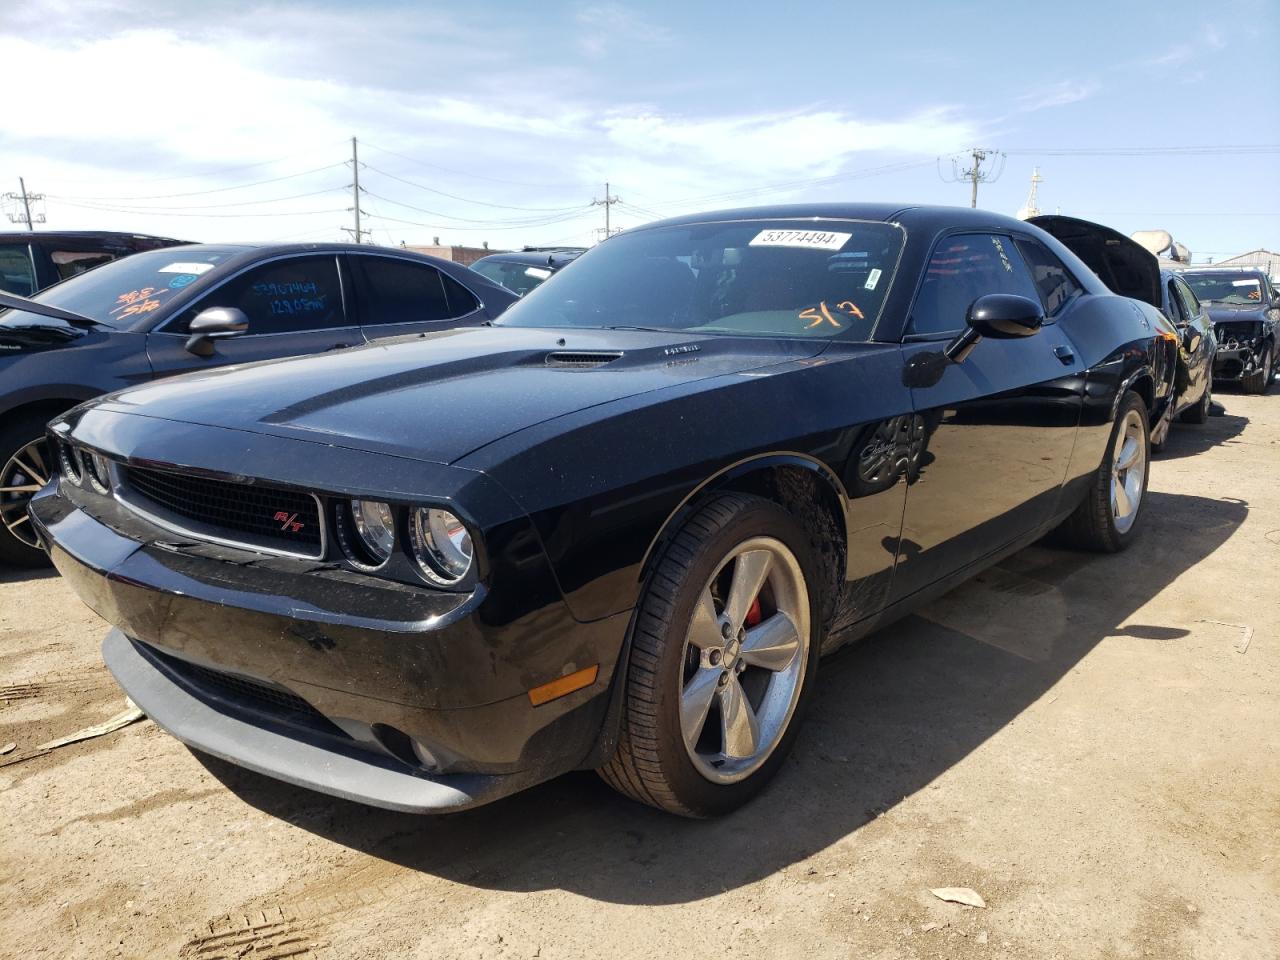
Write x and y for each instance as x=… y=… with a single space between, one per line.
x=11 y=235
x=915 y=215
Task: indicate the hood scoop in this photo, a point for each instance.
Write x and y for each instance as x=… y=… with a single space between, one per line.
x=581 y=359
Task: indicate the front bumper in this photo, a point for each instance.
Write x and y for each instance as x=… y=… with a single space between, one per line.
x=377 y=667
x=1235 y=364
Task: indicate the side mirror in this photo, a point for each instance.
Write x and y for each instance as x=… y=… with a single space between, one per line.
x=215 y=323
x=1000 y=316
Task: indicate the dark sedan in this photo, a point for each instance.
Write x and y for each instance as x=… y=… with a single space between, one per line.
x=524 y=270
x=1246 y=316
x=617 y=528
x=169 y=311
x=31 y=261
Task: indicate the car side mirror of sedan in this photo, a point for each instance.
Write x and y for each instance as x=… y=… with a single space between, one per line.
x=215 y=323
x=1000 y=316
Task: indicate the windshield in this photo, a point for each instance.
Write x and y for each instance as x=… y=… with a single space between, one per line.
x=761 y=278
x=517 y=277
x=119 y=292
x=1226 y=288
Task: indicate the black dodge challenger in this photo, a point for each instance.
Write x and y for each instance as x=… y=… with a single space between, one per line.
x=617 y=528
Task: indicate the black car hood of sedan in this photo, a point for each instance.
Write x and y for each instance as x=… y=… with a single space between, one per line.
x=1226 y=313
x=441 y=396
x=28 y=333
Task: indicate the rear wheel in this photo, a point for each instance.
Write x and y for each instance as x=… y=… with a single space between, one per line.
x=26 y=463
x=1108 y=518
x=723 y=656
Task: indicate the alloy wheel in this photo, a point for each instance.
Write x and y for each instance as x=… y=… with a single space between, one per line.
x=745 y=655
x=25 y=472
x=1128 y=471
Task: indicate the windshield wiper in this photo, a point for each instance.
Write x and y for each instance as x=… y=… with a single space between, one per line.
x=14 y=302
x=644 y=329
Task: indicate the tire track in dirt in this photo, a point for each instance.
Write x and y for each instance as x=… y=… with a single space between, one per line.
x=264 y=935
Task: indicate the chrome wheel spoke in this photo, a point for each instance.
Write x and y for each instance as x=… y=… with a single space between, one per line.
x=14 y=524
x=21 y=488
x=1128 y=454
x=1120 y=498
x=695 y=704
x=750 y=570
x=772 y=644
x=704 y=631
x=738 y=721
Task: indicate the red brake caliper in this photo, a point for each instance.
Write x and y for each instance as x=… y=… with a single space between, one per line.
x=753 y=615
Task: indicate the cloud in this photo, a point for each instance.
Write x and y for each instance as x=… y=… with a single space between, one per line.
x=604 y=27
x=1057 y=95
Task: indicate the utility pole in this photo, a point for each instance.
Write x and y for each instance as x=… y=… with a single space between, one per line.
x=357 y=233
x=26 y=198
x=977 y=173
x=608 y=201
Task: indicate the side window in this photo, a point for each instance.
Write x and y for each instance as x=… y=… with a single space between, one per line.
x=284 y=296
x=16 y=272
x=1190 y=305
x=963 y=268
x=461 y=300
x=397 y=291
x=1056 y=285
x=72 y=263
x=1177 y=308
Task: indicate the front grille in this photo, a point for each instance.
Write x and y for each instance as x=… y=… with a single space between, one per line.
x=240 y=513
x=264 y=698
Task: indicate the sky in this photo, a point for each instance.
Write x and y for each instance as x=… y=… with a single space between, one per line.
x=501 y=122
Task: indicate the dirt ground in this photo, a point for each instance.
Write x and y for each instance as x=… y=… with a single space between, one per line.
x=1086 y=741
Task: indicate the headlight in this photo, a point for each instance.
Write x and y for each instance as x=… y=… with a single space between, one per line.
x=376 y=528
x=70 y=463
x=441 y=545
x=96 y=470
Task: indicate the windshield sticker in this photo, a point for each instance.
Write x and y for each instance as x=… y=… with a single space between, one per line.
x=807 y=239
x=873 y=278
x=540 y=272
x=137 y=301
x=822 y=314
x=181 y=280
x=1004 y=257
x=196 y=268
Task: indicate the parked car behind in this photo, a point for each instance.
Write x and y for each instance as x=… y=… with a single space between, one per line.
x=170 y=311
x=525 y=269
x=617 y=528
x=1246 y=316
x=31 y=261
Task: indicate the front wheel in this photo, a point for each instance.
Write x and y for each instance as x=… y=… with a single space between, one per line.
x=26 y=463
x=724 y=654
x=1108 y=518
x=1260 y=379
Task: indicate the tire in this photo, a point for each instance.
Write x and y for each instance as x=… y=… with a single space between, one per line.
x=25 y=465
x=685 y=653
x=1259 y=380
x=1097 y=523
x=1200 y=412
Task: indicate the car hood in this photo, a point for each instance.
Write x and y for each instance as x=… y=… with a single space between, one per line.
x=1225 y=313
x=1123 y=265
x=440 y=396
x=22 y=332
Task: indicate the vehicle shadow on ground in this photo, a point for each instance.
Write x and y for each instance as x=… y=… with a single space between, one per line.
x=18 y=574
x=1189 y=439
x=892 y=714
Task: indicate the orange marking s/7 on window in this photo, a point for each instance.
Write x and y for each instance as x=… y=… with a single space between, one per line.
x=138 y=301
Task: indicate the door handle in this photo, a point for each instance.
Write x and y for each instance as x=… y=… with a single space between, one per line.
x=1065 y=354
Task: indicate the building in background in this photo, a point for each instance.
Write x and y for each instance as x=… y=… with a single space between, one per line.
x=458 y=254
x=1265 y=259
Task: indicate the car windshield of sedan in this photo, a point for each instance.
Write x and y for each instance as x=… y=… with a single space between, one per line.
x=118 y=293
x=1226 y=288
x=763 y=278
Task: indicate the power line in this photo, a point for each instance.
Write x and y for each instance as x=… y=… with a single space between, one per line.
x=514 y=221
x=153 y=212
x=437 y=226
x=464 y=173
x=977 y=173
x=454 y=196
x=198 y=193
x=356 y=233
x=1210 y=149
x=26 y=198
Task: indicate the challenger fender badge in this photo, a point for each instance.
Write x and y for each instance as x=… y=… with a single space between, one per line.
x=686 y=348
